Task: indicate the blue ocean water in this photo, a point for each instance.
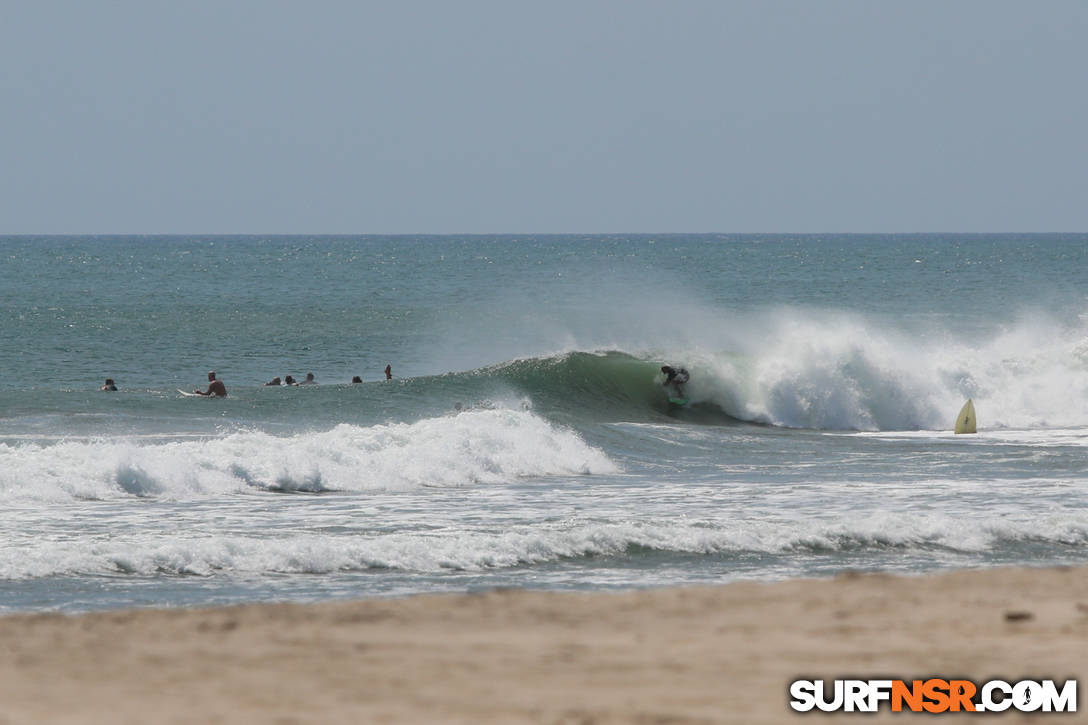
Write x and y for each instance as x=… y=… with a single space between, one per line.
x=526 y=438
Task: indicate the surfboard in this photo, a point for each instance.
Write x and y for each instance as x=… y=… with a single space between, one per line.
x=965 y=422
x=678 y=401
x=190 y=395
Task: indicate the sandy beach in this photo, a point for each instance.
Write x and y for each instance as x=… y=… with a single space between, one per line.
x=699 y=655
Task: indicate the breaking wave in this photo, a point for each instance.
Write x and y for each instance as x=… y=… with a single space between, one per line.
x=475 y=447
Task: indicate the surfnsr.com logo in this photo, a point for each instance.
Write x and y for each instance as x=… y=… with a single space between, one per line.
x=933 y=695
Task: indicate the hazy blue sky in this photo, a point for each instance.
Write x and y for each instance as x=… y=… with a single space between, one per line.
x=560 y=116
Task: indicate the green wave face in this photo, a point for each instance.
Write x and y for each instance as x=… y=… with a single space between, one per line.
x=601 y=387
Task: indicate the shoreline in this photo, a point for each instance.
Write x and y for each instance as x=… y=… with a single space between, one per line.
x=676 y=655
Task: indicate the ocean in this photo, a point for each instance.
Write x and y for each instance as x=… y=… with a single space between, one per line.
x=526 y=439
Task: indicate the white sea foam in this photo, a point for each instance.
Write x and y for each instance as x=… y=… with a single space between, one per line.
x=186 y=553
x=475 y=447
x=837 y=371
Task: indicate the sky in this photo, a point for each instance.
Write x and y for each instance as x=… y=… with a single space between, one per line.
x=566 y=116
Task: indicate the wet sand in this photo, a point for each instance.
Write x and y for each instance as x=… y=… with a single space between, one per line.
x=684 y=655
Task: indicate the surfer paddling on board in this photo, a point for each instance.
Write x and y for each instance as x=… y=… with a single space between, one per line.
x=675 y=377
x=215 y=387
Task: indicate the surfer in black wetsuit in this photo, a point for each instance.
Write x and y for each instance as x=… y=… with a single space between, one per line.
x=675 y=377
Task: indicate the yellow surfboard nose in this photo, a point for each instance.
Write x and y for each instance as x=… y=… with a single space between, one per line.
x=965 y=422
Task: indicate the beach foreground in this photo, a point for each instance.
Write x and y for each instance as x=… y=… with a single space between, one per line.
x=716 y=654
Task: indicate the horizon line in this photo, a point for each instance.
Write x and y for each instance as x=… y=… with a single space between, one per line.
x=6 y=235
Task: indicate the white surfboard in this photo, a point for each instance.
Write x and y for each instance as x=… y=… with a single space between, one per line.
x=190 y=395
x=965 y=422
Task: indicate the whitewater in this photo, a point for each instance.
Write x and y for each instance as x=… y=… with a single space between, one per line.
x=526 y=438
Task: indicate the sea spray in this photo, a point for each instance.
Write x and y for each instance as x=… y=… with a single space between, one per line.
x=828 y=370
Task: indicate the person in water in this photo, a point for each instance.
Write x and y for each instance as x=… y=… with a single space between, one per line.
x=675 y=377
x=309 y=380
x=356 y=379
x=215 y=387
x=289 y=381
x=274 y=381
x=388 y=372
x=109 y=385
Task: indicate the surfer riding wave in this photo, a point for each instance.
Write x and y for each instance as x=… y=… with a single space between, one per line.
x=676 y=377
